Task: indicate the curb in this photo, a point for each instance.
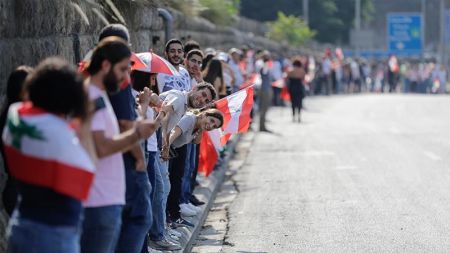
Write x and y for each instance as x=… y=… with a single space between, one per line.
x=206 y=192
x=215 y=181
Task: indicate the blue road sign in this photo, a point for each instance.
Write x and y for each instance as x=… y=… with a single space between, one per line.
x=405 y=34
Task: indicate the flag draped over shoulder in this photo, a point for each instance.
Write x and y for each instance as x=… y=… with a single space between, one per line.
x=236 y=109
x=42 y=150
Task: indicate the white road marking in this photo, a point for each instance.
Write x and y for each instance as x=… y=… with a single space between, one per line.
x=346 y=167
x=432 y=156
x=317 y=153
x=394 y=130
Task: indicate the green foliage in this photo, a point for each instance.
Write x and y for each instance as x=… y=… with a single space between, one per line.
x=291 y=29
x=332 y=19
x=368 y=10
x=188 y=7
x=221 y=12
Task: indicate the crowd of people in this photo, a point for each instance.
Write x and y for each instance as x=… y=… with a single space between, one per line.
x=104 y=158
x=334 y=74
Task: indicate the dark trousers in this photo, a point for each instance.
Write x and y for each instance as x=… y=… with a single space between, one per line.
x=194 y=175
x=265 y=97
x=137 y=213
x=176 y=172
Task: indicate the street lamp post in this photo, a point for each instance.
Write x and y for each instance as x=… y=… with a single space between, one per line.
x=357 y=23
x=306 y=11
x=442 y=33
x=424 y=27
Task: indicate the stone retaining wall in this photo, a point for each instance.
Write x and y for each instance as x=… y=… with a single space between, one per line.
x=31 y=30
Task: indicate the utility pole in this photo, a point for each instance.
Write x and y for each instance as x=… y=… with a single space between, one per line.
x=358 y=15
x=306 y=11
x=423 y=8
x=442 y=33
x=357 y=23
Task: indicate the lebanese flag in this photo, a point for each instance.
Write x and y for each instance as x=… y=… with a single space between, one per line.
x=42 y=150
x=254 y=78
x=209 y=151
x=236 y=110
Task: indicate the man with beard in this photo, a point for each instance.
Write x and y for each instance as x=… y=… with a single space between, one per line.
x=108 y=68
x=181 y=80
x=188 y=201
x=193 y=64
x=174 y=105
x=136 y=215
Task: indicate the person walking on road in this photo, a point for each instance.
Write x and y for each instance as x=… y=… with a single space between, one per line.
x=296 y=77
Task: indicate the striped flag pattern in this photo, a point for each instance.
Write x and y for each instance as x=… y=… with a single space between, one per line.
x=43 y=150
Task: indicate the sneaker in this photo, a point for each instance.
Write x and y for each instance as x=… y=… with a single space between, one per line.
x=174 y=232
x=185 y=210
x=195 y=208
x=163 y=244
x=195 y=201
x=173 y=240
x=180 y=222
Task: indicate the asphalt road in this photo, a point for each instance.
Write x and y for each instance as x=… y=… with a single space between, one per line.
x=364 y=173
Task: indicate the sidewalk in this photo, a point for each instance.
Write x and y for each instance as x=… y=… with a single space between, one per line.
x=206 y=192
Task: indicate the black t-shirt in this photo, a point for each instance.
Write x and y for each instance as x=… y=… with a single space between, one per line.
x=124 y=106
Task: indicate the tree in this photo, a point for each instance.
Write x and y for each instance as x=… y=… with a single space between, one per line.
x=290 y=29
x=332 y=19
x=222 y=12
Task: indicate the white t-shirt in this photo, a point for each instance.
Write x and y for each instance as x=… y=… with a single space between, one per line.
x=326 y=66
x=179 y=101
x=238 y=79
x=193 y=83
x=109 y=181
x=180 y=81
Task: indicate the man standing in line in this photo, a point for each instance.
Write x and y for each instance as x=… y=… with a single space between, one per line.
x=265 y=92
x=193 y=64
x=180 y=81
x=108 y=68
x=175 y=105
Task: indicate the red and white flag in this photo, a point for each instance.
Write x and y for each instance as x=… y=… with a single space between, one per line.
x=236 y=109
x=210 y=147
x=43 y=150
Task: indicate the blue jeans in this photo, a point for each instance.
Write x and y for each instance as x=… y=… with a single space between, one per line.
x=101 y=227
x=137 y=213
x=189 y=168
x=156 y=232
x=29 y=236
x=164 y=168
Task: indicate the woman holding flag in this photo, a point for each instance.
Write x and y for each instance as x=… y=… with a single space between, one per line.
x=190 y=127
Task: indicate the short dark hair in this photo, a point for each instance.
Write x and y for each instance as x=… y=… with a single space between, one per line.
x=190 y=45
x=15 y=83
x=297 y=63
x=173 y=41
x=112 y=49
x=139 y=79
x=117 y=30
x=194 y=52
x=56 y=87
x=205 y=85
